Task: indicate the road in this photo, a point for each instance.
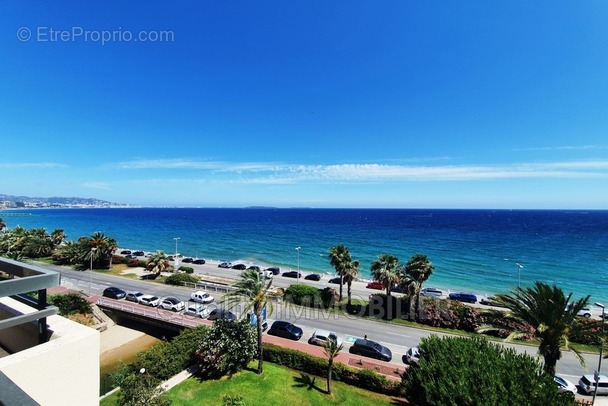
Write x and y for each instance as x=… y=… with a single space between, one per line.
x=397 y=338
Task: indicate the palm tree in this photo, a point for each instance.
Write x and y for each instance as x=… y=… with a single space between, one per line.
x=339 y=257
x=351 y=272
x=331 y=350
x=2 y=225
x=157 y=262
x=419 y=269
x=58 y=236
x=254 y=291
x=385 y=269
x=553 y=316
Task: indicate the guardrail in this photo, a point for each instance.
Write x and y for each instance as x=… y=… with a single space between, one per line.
x=214 y=287
x=168 y=316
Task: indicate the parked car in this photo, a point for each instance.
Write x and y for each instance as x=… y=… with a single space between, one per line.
x=337 y=280
x=125 y=252
x=432 y=292
x=172 y=303
x=274 y=269
x=114 y=293
x=149 y=300
x=218 y=313
x=196 y=309
x=187 y=260
x=199 y=261
x=225 y=265
x=371 y=349
x=375 y=285
x=313 y=277
x=201 y=297
x=139 y=253
x=587 y=384
x=239 y=267
x=286 y=330
x=266 y=274
x=133 y=296
x=320 y=337
x=564 y=385
x=411 y=356
x=255 y=268
x=292 y=274
x=463 y=297
x=490 y=301
x=586 y=312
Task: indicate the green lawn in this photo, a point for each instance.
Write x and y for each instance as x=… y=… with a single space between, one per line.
x=277 y=386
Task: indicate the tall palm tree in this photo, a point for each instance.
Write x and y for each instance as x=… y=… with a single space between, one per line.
x=157 y=262
x=331 y=350
x=2 y=225
x=418 y=269
x=385 y=269
x=58 y=236
x=339 y=258
x=351 y=272
x=252 y=290
x=553 y=316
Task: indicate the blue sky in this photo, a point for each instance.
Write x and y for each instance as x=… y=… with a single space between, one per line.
x=475 y=104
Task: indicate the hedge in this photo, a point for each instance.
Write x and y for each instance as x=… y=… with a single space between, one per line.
x=300 y=361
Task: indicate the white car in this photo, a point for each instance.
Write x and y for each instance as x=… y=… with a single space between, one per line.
x=412 y=356
x=172 y=303
x=564 y=385
x=432 y=292
x=587 y=384
x=196 y=309
x=320 y=337
x=201 y=297
x=266 y=274
x=149 y=300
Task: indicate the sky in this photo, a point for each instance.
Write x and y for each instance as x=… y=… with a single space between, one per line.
x=392 y=103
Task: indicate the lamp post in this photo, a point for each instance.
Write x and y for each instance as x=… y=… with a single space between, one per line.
x=298 y=249
x=175 y=260
x=519 y=268
x=599 y=365
x=93 y=249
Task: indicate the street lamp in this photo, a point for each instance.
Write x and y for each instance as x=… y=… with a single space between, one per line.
x=298 y=249
x=175 y=260
x=91 y=270
x=519 y=268
x=599 y=365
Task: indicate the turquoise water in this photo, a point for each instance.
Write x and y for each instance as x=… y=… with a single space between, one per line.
x=474 y=250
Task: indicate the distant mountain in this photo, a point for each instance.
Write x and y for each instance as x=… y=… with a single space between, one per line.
x=58 y=201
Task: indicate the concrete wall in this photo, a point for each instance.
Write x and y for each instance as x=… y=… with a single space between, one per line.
x=62 y=371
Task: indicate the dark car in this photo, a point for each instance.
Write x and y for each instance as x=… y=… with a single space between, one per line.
x=491 y=301
x=336 y=280
x=463 y=297
x=239 y=267
x=371 y=349
x=313 y=277
x=255 y=268
x=286 y=330
x=274 y=269
x=187 y=260
x=114 y=293
x=218 y=313
x=292 y=274
x=125 y=252
x=199 y=261
x=139 y=253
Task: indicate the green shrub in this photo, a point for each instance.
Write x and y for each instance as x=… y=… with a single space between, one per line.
x=186 y=269
x=70 y=303
x=304 y=295
x=179 y=279
x=473 y=371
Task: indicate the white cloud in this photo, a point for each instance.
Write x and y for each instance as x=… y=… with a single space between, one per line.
x=34 y=165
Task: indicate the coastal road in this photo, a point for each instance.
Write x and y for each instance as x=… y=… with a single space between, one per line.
x=397 y=338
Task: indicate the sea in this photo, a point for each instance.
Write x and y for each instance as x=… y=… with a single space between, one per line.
x=472 y=250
